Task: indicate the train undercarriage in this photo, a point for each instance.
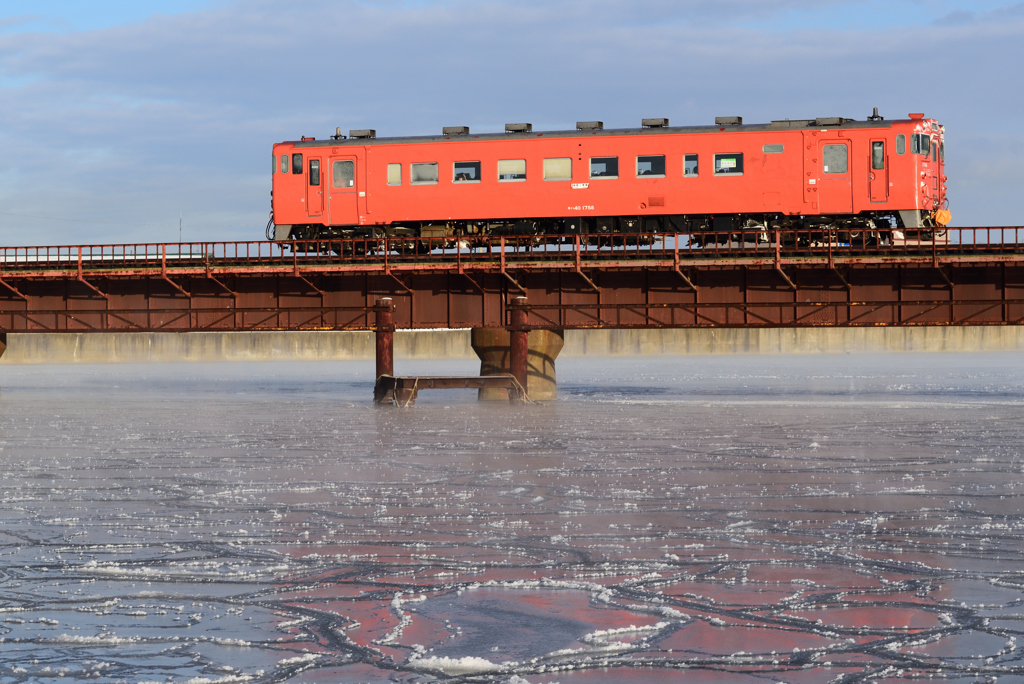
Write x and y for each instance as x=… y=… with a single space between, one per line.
x=866 y=229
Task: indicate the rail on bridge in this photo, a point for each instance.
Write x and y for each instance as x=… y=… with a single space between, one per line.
x=957 y=276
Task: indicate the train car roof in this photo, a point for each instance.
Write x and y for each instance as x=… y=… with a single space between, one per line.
x=783 y=125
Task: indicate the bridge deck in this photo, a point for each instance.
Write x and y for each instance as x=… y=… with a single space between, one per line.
x=753 y=279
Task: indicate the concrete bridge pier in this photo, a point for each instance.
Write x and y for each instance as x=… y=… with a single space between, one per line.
x=495 y=347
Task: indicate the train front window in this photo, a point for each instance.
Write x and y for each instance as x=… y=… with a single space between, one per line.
x=690 y=167
x=935 y=153
x=511 y=170
x=650 y=166
x=466 y=172
x=877 y=155
x=343 y=174
x=834 y=159
x=296 y=163
x=558 y=169
x=423 y=174
x=942 y=151
x=926 y=145
x=314 y=172
x=284 y=163
x=604 y=167
x=729 y=164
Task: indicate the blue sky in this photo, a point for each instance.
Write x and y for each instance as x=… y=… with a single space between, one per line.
x=116 y=118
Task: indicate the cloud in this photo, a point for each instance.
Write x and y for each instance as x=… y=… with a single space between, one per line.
x=133 y=124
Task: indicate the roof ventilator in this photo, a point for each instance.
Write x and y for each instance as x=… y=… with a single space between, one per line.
x=337 y=134
x=455 y=130
x=518 y=128
x=589 y=125
x=654 y=123
x=363 y=133
x=830 y=121
x=728 y=120
x=875 y=117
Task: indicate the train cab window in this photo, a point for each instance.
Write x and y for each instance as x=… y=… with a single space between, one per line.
x=394 y=174
x=284 y=163
x=343 y=173
x=773 y=149
x=511 y=170
x=558 y=169
x=877 y=155
x=834 y=159
x=730 y=164
x=920 y=144
x=690 y=165
x=935 y=153
x=942 y=151
x=423 y=174
x=604 y=167
x=296 y=163
x=901 y=144
x=314 y=172
x=650 y=166
x=466 y=172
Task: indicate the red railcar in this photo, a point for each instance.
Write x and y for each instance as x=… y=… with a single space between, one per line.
x=833 y=173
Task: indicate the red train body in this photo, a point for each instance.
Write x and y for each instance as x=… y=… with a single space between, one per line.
x=839 y=174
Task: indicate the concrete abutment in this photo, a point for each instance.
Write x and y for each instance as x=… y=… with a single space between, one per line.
x=493 y=347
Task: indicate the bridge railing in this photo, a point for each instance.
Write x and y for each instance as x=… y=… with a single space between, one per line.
x=475 y=250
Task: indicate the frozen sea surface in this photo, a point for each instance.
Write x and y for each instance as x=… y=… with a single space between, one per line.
x=719 y=520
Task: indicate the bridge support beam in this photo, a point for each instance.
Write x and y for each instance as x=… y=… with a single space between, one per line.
x=494 y=347
x=384 y=325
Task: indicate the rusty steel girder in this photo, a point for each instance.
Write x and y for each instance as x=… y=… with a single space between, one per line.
x=644 y=281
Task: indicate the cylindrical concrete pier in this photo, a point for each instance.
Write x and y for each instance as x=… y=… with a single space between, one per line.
x=492 y=346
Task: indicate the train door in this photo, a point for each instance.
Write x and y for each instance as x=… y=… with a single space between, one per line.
x=314 y=188
x=343 y=192
x=835 y=183
x=878 y=175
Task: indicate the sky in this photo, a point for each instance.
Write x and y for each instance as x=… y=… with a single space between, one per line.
x=119 y=119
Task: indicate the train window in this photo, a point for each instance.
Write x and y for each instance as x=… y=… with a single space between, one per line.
x=651 y=166
x=558 y=169
x=511 y=170
x=942 y=151
x=343 y=173
x=314 y=172
x=773 y=149
x=296 y=163
x=926 y=145
x=878 y=154
x=901 y=144
x=284 y=163
x=935 y=153
x=273 y=165
x=466 y=172
x=834 y=159
x=730 y=164
x=690 y=165
x=394 y=174
x=423 y=174
x=604 y=167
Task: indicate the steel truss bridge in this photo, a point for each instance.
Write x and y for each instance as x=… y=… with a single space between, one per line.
x=964 y=276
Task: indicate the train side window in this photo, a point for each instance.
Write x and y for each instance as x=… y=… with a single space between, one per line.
x=296 y=163
x=343 y=173
x=901 y=144
x=273 y=165
x=394 y=174
x=284 y=163
x=650 y=166
x=834 y=159
x=423 y=174
x=690 y=167
x=926 y=145
x=878 y=155
x=314 y=172
x=604 y=167
x=466 y=172
x=511 y=170
x=773 y=149
x=730 y=164
x=558 y=169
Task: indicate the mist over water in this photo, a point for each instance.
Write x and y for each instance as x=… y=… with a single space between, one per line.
x=741 y=519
